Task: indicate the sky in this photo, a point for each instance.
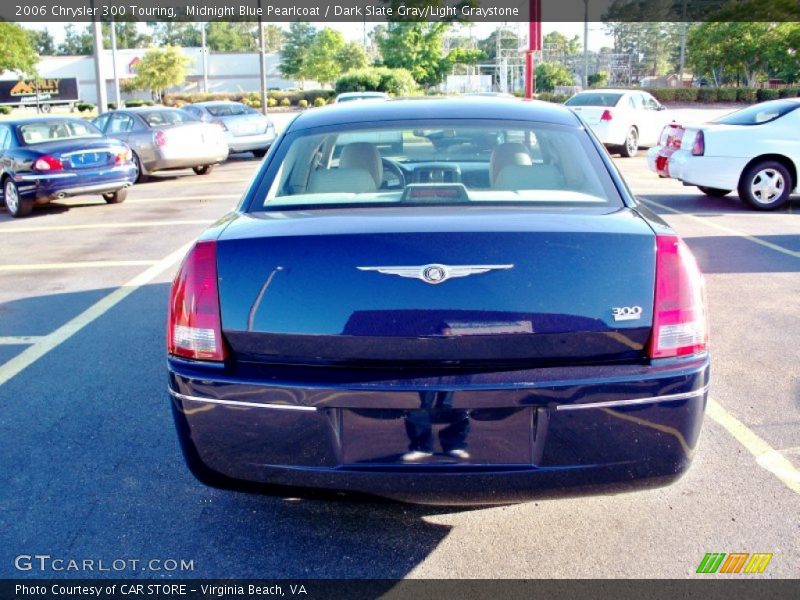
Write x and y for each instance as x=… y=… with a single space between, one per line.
x=355 y=31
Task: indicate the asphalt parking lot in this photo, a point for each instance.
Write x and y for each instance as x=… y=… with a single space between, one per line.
x=92 y=467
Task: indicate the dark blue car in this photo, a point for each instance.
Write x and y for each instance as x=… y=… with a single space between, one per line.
x=483 y=315
x=50 y=158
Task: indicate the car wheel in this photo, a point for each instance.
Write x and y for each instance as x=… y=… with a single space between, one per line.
x=16 y=206
x=140 y=175
x=765 y=185
x=203 y=170
x=260 y=153
x=716 y=192
x=631 y=146
x=116 y=197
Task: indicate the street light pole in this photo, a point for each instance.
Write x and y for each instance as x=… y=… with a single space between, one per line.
x=102 y=98
x=204 y=53
x=585 y=44
x=262 y=61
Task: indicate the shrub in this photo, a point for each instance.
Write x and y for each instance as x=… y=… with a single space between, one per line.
x=788 y=93
x=5 y=110
x=766 y=94
x=599 y=79
x=707 y=94
x=545 y=96
x=112 y=106
x=286 y=102
x=319 y=101
x=271 y=102
x=376 y=79
x=686 y=94
x=84 y=106
x=134 y=103
x=726 y=95
x=663 y=94
x=302 y=103
x=744 y=94
x=149 y=103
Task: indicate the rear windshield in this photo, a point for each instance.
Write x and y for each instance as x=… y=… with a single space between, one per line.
x=446 y=163
x=165 y=118
x=607 y=99
x=230 y=110
x=51 y=131
x=341 y=99
x=760 y=113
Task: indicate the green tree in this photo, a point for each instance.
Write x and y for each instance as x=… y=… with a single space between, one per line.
x=160 y=69
x=654 y=46
x=509 y=40
x=232 y=36
x=273 y=38
x=42 y=42
x=76 y=42
x=561 y=44
x=128 y=35
x=353 y=56
x=296 y=42
x=16 y=49
x=549 y=75
x=171 y=33
x=416 y=47
x=322 y=60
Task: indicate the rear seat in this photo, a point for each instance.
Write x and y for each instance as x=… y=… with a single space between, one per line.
x=530 y=177
x=341 y=181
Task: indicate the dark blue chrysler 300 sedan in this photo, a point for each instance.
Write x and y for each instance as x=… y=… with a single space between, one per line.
x=49 y=158
x=481 y=313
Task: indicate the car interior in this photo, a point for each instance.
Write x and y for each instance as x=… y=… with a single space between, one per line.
x=473 y=163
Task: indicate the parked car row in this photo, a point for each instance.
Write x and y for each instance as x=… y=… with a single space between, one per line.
x=50 y=158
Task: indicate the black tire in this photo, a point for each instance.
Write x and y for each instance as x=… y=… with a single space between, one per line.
x=260 y=153
x=631 y=145
x=766 y=185
x=141 y=177
x=116 y=197
x=17 y=207
x=715 y=192
x=203 y=170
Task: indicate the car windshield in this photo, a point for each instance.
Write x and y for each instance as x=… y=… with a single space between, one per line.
x=439 y=163
x=51 y=131
x=607 y=99
x=165 y=118
x=759 y=113
x=230 y=110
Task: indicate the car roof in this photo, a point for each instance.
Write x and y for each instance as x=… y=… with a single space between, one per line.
x=608 y=91
x=216 y=103
x=138 y=109
x=428 y=109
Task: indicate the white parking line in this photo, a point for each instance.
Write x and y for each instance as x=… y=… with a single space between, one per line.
x=732 y=231
x=20 y=340
x=126 y=225
x=89 y=264
x=766 y=456
x=51 y=341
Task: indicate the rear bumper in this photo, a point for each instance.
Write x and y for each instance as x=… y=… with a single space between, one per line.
x=529 y=434
x=46 y=187
x=165 y=162
x=610 y=133
x=245 y=143
x=707 y=171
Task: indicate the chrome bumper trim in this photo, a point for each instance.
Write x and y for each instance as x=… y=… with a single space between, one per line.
x=636 y=401
x=175 y=394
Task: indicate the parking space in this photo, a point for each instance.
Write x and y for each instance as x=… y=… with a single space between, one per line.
x=94 y=470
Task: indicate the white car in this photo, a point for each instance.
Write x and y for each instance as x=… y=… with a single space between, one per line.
x=755 y=150
x=360 y=97
x=623 y=120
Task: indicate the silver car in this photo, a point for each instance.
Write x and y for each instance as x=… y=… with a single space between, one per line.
x=166 y=138
x=246 y=129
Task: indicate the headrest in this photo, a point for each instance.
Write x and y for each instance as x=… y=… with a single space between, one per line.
x=363 y=155
x=509 y=153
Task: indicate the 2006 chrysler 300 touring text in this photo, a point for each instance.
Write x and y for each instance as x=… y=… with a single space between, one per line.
x=480 y=314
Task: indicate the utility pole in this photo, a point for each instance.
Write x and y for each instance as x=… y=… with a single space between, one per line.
x=204 y=53
x=102 y=98
x=585 y=44
x=117 y=96
x=262 y=61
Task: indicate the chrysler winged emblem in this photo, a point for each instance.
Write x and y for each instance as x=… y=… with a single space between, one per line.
x=436 y=273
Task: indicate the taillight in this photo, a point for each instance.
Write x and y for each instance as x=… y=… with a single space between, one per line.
x=699 y=146
x=679 y=316
x=160 y=138
x=194 y=327
x=48 y=163
x=606 y=116
x=124 y=156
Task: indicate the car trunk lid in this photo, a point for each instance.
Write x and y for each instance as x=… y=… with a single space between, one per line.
x=322 y=287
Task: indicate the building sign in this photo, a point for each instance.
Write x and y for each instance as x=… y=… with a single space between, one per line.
x=25 y=91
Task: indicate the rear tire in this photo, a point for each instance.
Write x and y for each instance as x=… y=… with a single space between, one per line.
x=766 y=185
x=116 y=197
x=17 y=207
x=715 y=192
x=203 y=170
x=260 y=153
x=141 y=177
x=631 y=145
